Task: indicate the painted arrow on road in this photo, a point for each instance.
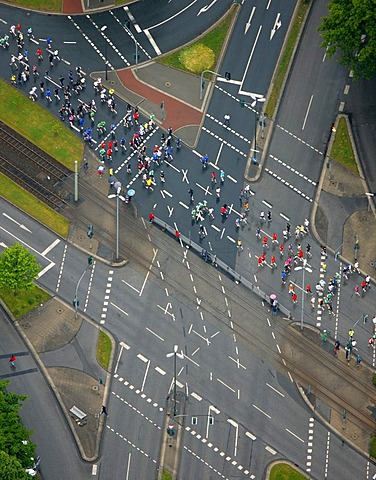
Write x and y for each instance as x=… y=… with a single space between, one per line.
x=277 y=26
x=206 y=8
x=248 y=24
x=17 y=223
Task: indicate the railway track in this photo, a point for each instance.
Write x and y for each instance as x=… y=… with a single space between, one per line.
x=33 y=154
x=30 y=184
x=33 y=169
x=289 y=338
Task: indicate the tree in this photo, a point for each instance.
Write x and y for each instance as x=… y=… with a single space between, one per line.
x=16 y=451
x=350 y=28
x=10 y=468
x=18 y=268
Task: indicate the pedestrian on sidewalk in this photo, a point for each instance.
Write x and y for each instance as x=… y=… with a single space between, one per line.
x=356 y=290
x=324 y=336
x=226 y=119
x=151 y=217
x=294 y=299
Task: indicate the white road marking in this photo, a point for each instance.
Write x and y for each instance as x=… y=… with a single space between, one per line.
x=293 y=170
x=261 y=411
x=142 y=358
x=270 y=450
x=279 y=393
x=159 y=370
x=124 y=345
x=225 y=385
x=17 y=223
x=250 y=435
x=307 y=112
x=285 y=182
x=293 y=434
x=120 y=310
x=151 y=331
x=50 y=247
x=45 y=270
x=132 y=19
x=152 y=42
x=196 y=396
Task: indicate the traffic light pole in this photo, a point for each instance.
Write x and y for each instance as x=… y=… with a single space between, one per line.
x=202 y=83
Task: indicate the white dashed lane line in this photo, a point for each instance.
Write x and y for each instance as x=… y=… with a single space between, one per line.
x=299 y=139
x=233 y=132
x=284 y=164
x=131 y=444
x=224 y=141
x=285 y=182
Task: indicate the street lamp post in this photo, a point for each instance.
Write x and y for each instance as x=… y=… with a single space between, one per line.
x=304 y=268
x=118 y=196
x=175 y=354
x=103 y=29
x=135 y=43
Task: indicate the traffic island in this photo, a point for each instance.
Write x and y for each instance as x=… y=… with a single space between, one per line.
x=64 y=344
x=172 y=437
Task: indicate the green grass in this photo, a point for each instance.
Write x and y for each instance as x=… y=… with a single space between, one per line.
x=39 y=126
x=104 y=348
x=213 y=40
x=32 y=206
x=23 y=302
x=342 y=151
x=372 y=446
x=166 y=475
x=285 y=59
x=283 y=471
x=43 y=5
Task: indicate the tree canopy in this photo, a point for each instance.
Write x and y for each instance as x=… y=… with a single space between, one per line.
x=350 y=29
x=18 y=268
x=16 y=451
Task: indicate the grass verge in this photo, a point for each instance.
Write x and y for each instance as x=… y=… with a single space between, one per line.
x=166 y=475
x=32 y=206
x=104 y=348
x=42 y=5
x=372 y=446
x=285 y=59
x=23 y=302
x=342 y=151
x=186 y=58
x=39 y=126
x=283 y=471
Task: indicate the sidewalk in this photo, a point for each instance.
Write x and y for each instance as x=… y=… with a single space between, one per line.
x=65 y=347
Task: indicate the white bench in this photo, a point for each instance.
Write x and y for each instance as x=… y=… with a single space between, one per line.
x=78 y=415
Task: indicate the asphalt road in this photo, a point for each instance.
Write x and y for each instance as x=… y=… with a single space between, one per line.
x=258 y=415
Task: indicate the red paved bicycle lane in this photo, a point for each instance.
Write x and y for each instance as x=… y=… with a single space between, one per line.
x=179 y=114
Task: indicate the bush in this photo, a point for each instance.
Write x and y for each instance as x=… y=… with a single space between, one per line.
x=374 y=379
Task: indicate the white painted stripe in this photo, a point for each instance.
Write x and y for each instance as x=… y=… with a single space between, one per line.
x=124 y=345
x=50 y=247
x=270 y=450
x=261 y=411
x=293 y=434
x=279 y=393
x=196 y=396
x=94 y=469
x=152 y=42
x=45 y=270
x=250 y=435
x=151 y=331
x=159 y=370
x=142 y=358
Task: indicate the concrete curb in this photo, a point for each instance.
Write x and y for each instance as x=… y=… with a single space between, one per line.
x=52 y=386
x=293 y=465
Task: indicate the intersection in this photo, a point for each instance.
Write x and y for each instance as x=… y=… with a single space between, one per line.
x=141 y=379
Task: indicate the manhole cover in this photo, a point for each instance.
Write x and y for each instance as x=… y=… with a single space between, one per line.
x=168 y=84
x=60 y=310
x=94 y=388
x=112 y=82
